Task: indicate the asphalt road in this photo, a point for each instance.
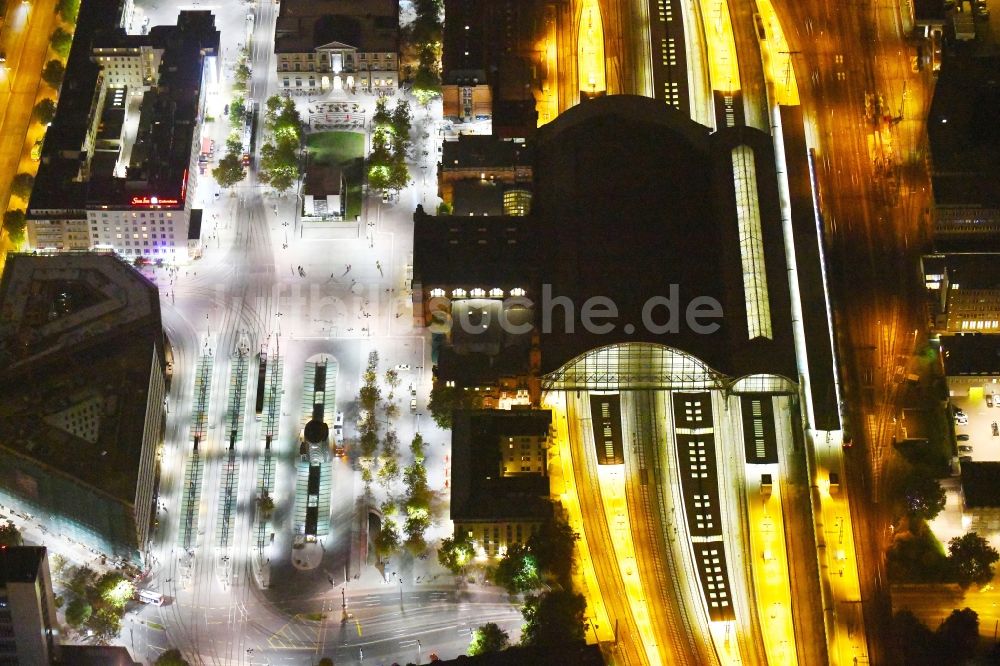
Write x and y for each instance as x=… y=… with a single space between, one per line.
x=246 y=289
x=25 y=40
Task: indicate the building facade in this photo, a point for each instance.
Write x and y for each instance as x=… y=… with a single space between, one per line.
x=86 y=386
x=338 y=45
x=102 y=187
x=29 y=630
x=500 y=483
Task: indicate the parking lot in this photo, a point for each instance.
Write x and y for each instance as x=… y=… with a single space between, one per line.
x=981 y=417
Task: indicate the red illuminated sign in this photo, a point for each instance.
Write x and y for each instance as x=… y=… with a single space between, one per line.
x=148 y=202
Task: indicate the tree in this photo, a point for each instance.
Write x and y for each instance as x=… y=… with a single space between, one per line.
x=923 y=495
x=426 y=84
x=958 y=635
x=44 y=111
x=78 y=612
x=553 y=619
x=381 y=119
x=517 y=570
x=10 y=535
x=971 y=558
x=456 y=552
x=68 y=10
x=913 y=641
x=21 y=184
x=230 y=170
x=392 y=377
x=61 y=41
x=388 y=472
x=241 y=74
x=234 y=143
x=445 y=399
x=279 y=165
x=418 y=495
x=265 y=503
x=237 y=110
x=14 y=224
x=368 y=440
x=106 y=623
x=53 y=73
x=417 y=448
x=401 y=120
x=325 y=661
x=369 y=397
x=552 y=545
x=172 y=658
x=272 y=108
x=387 y=540
x=488 y=638
x=399 y=173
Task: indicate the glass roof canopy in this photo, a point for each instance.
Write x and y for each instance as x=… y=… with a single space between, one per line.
x=640 y=365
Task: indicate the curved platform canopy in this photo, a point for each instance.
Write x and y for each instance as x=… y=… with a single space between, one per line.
x=633 y=365
x=640 y=365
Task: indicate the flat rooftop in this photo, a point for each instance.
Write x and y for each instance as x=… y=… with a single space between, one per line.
x=20 y=564
x=79 y=335
x=370 y=26
x=479 y=492
x=971 y=354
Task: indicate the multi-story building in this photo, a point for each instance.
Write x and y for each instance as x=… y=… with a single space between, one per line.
x=965 y=151
x=29 y=630
x=965 y=292
x=494 y=65
x=82 y=378
x=109 y=180
x=502 y=167
x=500 y=489
x=349 y=45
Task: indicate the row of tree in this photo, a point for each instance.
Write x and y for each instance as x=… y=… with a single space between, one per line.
x=915 y=554
x=406 y=514
x=956 y=640
x=390 y=142
x=426 y=38
x=279 y=156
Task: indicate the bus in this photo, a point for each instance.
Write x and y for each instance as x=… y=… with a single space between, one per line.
x=151 y=597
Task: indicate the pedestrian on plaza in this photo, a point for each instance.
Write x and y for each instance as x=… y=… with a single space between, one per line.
x=378 y=265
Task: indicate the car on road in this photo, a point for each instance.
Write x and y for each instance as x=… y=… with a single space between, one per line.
x=963 y=438
x=965 y=449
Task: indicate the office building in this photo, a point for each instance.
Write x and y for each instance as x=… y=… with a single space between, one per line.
x=83 y=388
x=29 y=630
x=500 y=486
x=118 y=166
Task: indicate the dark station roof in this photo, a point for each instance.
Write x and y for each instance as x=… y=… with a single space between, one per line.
x=631 y=200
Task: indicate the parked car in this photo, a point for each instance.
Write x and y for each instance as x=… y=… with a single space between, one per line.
x=963 y=438
x=961 y=419
x=964 y=448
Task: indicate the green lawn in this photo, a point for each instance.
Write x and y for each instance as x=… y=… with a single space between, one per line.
x=336 y=148
x=346 y=150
